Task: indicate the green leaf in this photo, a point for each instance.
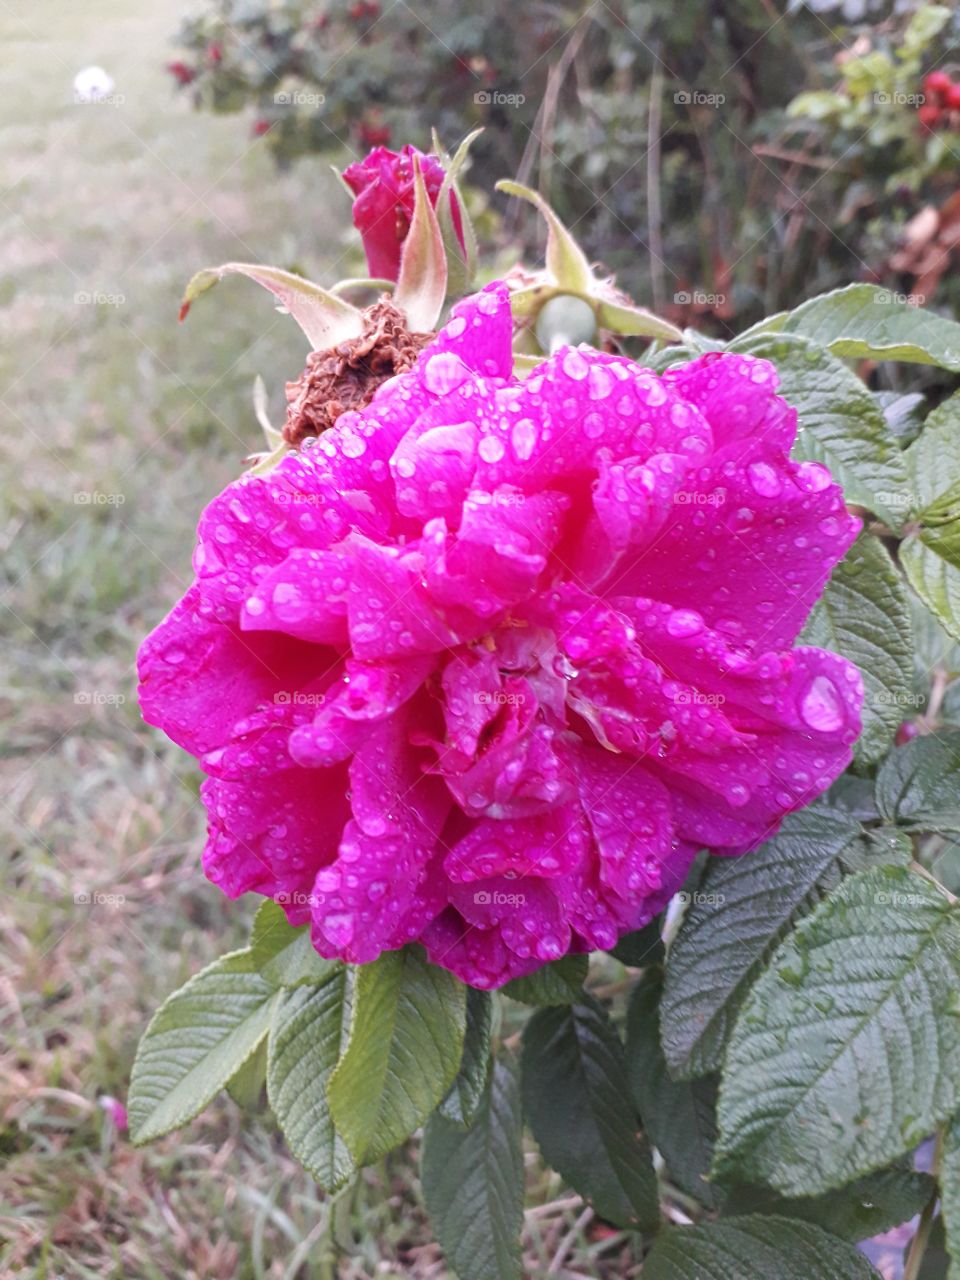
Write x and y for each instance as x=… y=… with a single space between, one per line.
x=565 y=260
x=863 y=321
x=560 y=982
x=283 y=954
x=405 y=1047
x=918 y=785
x=245 y=1087
x=678 y=1116
x=461 y=260
x=196 y=1042
x=631 y=321
x=754 y=1248
x=473 y=1182
x=307 y=1037
x=325 y=319
x=840 y=422
x=864 y=614
x=847 y=1050
x=862 y=1209
x=740 y=911
x=576 y=1097
x=950 y=1191
x=642 y=947
x=460 y=1104
x=934 y=464
x=936 y=582
x=422 y=281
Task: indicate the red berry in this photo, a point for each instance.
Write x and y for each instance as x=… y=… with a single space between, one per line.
x=181 y=72
x=952 y=100
x=260 y=127
x=909 y=729
x=937 y=82
x=928 y=116
x=215 y=52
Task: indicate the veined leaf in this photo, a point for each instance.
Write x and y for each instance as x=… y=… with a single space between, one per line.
x=461 y=1103
x=918 y=785
x=405 y=1047
x=935 y=581
x=473 y=1182
x=847 y=1050
x=863 y=321
x=196 y=1042
x=739 y=912
x=755 y=1248
x=560 y=982
x=307 y=1038
x=422 y=282
x=576 y=1097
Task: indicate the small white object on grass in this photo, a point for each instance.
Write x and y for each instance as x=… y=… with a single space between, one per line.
x=92 y=84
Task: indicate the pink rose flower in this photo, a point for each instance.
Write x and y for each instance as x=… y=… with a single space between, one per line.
x=490 y=662
x=383 y=186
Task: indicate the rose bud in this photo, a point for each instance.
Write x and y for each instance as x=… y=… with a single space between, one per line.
x=383 y=185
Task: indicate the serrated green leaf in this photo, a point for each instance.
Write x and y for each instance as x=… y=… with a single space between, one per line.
x=405 y=1047
x=473 y=1182
x=283 y=954
x=847 y=1050
x=245 y=1086
x=565 y=260
x=325 y=319
x=461 y=259
x=307 y=1037
x=738 y=914
x=862 y=1209
x=840 y=423
x=864 y=614
x=460 y=1104
x=560 y=982
x=576 y=1098
x=918 y=785
x=196 y=1042
x=936 y=582
x=863 y=321
x=678 y=1116
x=933 y=460
x=755 y=1248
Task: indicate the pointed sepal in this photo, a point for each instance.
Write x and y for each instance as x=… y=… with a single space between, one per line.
x=422 y=282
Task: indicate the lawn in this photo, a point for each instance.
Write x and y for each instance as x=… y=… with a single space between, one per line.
x=118 y=426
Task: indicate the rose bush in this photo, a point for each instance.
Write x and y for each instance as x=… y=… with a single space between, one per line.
x=527 y=672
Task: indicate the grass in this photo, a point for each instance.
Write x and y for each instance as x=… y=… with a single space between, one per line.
x=118 y=426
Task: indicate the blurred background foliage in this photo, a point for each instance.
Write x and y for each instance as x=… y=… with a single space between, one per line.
x=726 y=160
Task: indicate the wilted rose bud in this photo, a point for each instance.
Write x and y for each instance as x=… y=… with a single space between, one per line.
x=384 y=189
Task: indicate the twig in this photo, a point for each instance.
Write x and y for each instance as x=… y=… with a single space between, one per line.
x=654 y=209
x=564 y=1247
x=918 y=1245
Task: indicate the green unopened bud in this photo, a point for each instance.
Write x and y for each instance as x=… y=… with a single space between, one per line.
x=565 y=321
